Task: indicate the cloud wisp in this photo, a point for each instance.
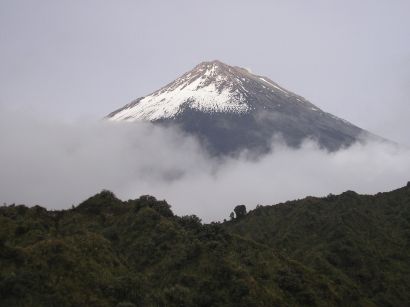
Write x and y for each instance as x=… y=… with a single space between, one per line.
x=58 y=164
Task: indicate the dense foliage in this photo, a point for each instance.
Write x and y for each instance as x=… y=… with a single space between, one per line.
x=358 y=240
x=340 y=250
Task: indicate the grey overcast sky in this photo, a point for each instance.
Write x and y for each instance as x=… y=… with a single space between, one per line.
x=82 y=59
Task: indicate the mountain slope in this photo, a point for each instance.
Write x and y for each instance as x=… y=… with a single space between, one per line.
x=106 y=252
x=361 y=239
x=345 y=250
x=231 y=109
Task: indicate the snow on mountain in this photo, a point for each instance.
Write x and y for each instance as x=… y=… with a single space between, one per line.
x=209 y=87
x=231 y=109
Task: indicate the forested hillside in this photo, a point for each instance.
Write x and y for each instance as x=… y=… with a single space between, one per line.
x=334 y=251
x=359 y=240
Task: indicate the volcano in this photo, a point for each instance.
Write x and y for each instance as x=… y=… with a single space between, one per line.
x=229 y=109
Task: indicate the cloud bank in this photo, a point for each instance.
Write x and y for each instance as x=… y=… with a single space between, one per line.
x=58 y=164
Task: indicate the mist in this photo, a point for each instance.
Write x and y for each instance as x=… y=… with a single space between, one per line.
x=58 y=164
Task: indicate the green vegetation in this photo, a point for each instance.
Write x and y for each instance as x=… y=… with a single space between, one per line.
x=336 y=251
x=240 y=211
x=356 y=240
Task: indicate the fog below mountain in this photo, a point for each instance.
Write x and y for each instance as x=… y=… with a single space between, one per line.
x=58 y=164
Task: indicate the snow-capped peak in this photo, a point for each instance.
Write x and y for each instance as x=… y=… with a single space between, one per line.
x=209 y=87
x=231 y=109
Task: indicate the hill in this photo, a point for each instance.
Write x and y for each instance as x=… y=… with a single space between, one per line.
x=336 y=251
x=361 y=240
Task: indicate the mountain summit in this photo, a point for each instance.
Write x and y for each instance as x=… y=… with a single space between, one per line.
x=231 y=109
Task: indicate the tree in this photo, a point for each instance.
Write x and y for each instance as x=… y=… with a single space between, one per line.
x=232 y=216
x=240 y=211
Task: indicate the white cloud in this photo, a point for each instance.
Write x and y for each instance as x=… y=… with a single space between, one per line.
x=57 y=164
